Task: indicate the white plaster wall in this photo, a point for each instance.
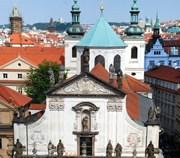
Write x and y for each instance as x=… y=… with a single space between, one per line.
x=55 y=125
x=107 y=53
x=135 y=65
x=70 y=63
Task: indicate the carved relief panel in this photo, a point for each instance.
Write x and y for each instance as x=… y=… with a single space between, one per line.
x=56 y=104
x=114 y=105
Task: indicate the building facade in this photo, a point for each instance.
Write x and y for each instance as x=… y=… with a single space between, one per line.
x=165 y=84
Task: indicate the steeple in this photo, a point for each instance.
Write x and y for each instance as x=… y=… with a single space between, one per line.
x=16 y=20
x=134 y=31
x=15 y=12
x=75 y=29
x=51 y=27
x=156 y=28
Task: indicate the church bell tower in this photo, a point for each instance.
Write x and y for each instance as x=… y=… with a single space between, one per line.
x=15 y=20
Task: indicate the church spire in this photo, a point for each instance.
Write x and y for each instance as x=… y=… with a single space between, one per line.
x=156 y=28
x=15 y=12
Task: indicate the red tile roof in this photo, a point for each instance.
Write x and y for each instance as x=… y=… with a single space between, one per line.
x=37 y=107
x=34 y=55
x=17 y=99
x=165 y=73
x=132 y=100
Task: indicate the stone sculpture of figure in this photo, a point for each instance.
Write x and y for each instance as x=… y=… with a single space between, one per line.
x=150 y=115
x=18 y=148
x=86 y=55
x=60 y=148
x=150 y=150
x=111 y=72
x=61 y=73
x=22 y=112
x=51 y=77
x=109 y=149
x=118 y=150
x=85 y=60
x=119 y=78
x=85 y=123
x=51 y=149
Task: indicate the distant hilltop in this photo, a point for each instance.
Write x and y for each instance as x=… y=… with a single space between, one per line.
x=60 y=26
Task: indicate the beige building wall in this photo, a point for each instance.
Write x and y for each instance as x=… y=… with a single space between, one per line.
x=6 y=116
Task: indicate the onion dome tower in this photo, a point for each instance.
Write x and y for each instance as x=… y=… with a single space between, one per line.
x=15 y=20
x=134 y=31
x=136 y=44
x=76 y=29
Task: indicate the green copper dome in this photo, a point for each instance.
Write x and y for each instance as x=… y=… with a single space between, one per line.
x=134 y=31
x=134 y=6
x=76 y=29
x=148 y=24
x=75 y=7
x=101 y=35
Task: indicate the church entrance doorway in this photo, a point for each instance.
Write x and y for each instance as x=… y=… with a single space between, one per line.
x=88 y=143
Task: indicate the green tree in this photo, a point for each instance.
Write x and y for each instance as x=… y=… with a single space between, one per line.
x=38 y=80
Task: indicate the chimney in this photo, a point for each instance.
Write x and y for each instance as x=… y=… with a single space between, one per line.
x=61 y=73
x=119 y=78
x=111 y=74
x=85 y=61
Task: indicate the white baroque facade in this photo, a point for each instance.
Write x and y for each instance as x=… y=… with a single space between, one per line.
x=104 y=107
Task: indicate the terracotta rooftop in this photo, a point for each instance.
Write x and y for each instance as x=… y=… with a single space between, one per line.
x=34 y=55
x=165 y=73
x=9 y=95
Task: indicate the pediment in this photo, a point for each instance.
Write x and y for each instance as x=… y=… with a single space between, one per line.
x=85 y=86
x=17 y=63
x=5 y=107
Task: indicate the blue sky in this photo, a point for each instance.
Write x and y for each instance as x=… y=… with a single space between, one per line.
x=34 y=11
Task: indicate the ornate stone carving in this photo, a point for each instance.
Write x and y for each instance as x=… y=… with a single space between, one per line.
x=56 y=106
x=37 y=137
x=56 y=99
x=84 y=86
x=133 y=139
x=114 y=108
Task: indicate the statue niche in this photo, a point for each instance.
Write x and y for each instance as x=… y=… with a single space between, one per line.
x=86 y=121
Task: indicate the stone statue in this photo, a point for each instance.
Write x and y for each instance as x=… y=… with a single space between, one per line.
x=85 y=60
x=150 y=115
x=109 y=149
x=85 y=123
x=84 y=150
x=119 y=78
x=150 y=150
x=111 y=72
x=22 y=112
x=60 y=148
x=51 y=149
x=51 y=77
x=61 y=73
x=15 y=114
x=118 y=150
x=18 y=148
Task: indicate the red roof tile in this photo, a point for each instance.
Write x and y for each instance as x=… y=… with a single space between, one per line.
x=18 y=99
x=165 y=73
x=37 y=107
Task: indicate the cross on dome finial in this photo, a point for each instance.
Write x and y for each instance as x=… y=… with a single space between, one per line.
x=102 y=8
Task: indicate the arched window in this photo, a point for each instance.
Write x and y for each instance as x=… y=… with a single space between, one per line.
x=134 y=53
x=74 y=52
x=100 y=59
x=117 y=62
